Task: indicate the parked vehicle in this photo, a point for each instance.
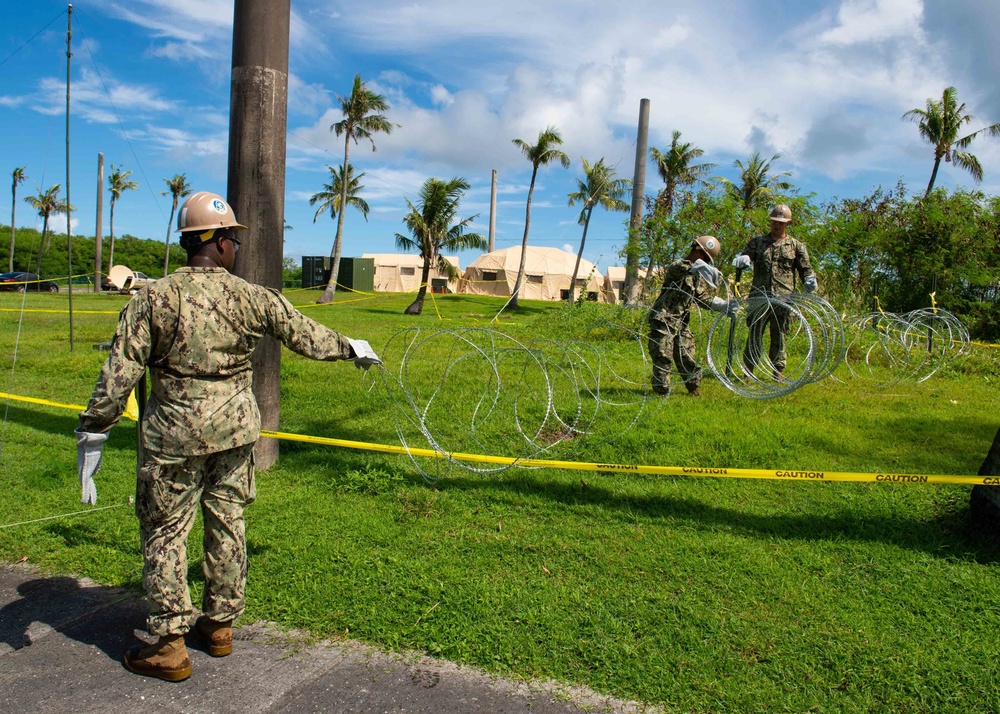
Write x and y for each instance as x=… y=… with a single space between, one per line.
x=26 y=281
x=130 y=283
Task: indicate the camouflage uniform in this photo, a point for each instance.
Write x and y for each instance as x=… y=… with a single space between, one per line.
x=669 y=331
x=775 y=263
x=196 y=330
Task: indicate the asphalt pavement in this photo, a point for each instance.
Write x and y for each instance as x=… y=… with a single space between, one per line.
x=62 y=641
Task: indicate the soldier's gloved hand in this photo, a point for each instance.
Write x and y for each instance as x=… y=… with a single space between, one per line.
x=810 y=284
x=725 y=307
x=88 y=462
x=709 y=273
x=364 y=355
x=741 y=262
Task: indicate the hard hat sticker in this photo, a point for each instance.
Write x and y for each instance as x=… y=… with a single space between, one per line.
x=219 y=206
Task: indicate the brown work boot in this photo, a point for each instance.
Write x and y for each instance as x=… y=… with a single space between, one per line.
x=693 y=390
x=217 y=636
x=167 y=659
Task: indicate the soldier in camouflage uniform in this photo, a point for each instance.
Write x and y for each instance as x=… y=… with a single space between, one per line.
x=196 y=330
x=691 y=280
x=776 y=258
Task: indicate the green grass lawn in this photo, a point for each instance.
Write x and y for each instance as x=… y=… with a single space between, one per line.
x=699 y=595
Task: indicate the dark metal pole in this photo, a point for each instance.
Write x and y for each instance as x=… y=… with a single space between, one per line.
x=69 y=206
x=257 y=123
x=638 y=198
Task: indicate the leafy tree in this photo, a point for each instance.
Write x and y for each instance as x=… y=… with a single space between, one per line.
x=542 y=153
x=363 y=118
x=433 y=227
x=940 y=124
x=757 y=188
x=677 y=170
x=118 y=183
x=599 y=187
x=46 y=203
x=178 y=188
x=18 y=178
x=333 y=193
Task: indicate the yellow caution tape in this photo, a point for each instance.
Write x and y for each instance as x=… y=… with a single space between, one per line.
x=767 y=474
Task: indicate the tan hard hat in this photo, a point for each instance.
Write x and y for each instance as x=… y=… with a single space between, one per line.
x=710 y=245
x=204 y=211
x=781 y=213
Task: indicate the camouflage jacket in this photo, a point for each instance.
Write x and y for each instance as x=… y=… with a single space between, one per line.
x=196 y=330
x=775 y=263
x=680 y=289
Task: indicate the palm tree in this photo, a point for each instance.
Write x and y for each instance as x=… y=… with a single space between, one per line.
x=541 y=154
x=676 y=170
x=939 y=125
x=333 y=193
x=178 y=187
x=119 y=182
x=18 y=178
x=599 y=187
x=363 y=118
x=46 y=203
x=757 y=187
x=434 y=229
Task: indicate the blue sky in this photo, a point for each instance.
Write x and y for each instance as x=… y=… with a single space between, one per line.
x=823 y=83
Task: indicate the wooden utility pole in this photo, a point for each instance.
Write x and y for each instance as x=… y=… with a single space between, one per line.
x=98 y=238
x=493 y=210
x=631 y=291
x=69 y=206
x=257 y=122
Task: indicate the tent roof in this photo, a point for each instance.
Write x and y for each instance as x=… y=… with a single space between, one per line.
x=539 y=261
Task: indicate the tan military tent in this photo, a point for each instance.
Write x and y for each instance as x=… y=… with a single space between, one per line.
x=400 y=273
x=547 y=274
x=614 y=283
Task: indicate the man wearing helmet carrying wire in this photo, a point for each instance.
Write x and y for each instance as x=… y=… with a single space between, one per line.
x=776 y=258
x=691 y=280
x=196 y=330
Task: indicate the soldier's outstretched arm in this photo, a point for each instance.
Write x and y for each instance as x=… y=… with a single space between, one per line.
x=300 y=333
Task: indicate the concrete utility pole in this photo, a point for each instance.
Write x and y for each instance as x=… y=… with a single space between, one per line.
x=257 y=121
x=98 y=238
x=493 y=210
x=638 y=198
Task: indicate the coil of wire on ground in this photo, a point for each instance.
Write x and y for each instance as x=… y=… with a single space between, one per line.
x=481 y=391
x=886 y=349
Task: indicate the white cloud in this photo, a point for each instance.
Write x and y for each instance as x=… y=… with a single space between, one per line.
x=441 y=96
x=306 y=98
x=874 y=21
x=57 y=223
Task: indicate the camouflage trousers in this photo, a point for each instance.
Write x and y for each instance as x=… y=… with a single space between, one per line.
x=672 y=339
x=761 y=315
x=168 y=491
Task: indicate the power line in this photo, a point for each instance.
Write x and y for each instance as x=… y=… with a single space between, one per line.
x=32 y=38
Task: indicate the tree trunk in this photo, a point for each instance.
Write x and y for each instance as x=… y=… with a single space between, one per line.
x=111 y=238
x=418 y=305
x=13 y=205
x=524 y=243
x=930 y=184
x=331 y=286
x=170 y=223
x=579 y=256
x=41 y=244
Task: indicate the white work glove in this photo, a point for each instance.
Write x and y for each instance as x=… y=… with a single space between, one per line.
x=710 y=274
x=364 y=355
x=726 y=307
x=88 y=462
x=741 y=262
x=810 y=284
